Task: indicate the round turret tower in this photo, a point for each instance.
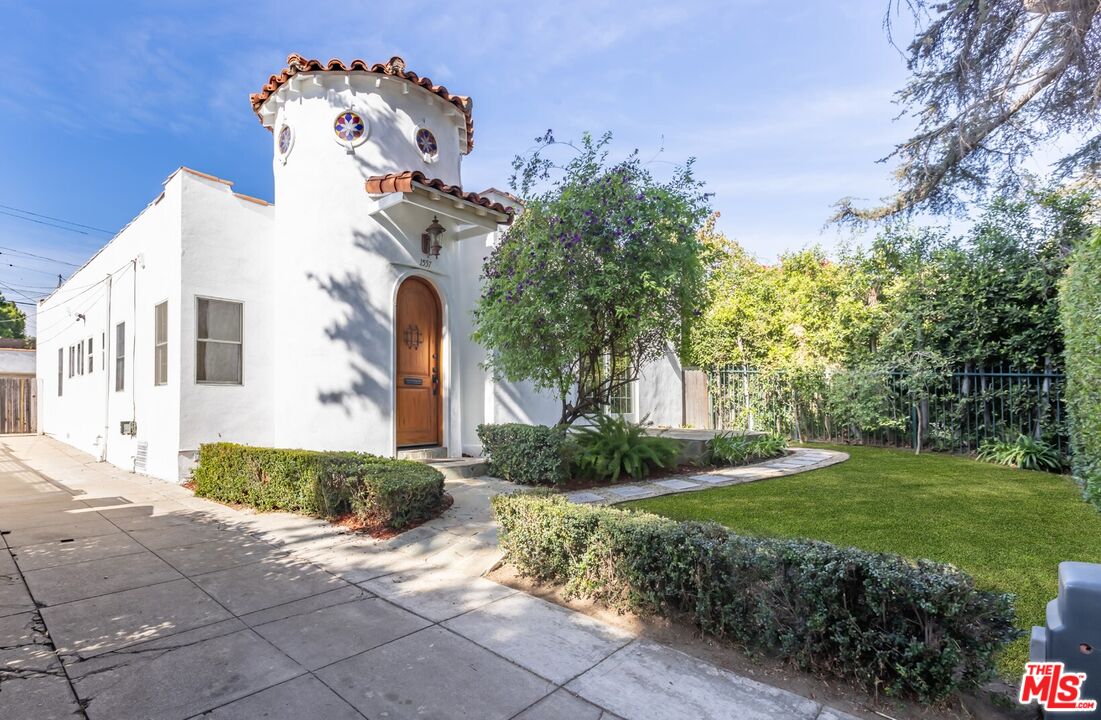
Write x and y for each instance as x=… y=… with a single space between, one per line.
x=365 y=158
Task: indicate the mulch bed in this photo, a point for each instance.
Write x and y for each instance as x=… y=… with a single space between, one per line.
x=381 y=531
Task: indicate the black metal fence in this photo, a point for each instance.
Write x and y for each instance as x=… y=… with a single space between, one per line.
x=956 y=412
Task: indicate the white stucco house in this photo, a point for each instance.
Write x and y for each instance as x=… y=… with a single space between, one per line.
x=337 y=317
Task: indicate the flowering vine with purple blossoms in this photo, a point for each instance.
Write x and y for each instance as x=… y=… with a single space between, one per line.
x=601 y=273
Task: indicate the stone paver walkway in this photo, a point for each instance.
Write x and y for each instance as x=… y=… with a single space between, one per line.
x=123 y=597
x=797 y=460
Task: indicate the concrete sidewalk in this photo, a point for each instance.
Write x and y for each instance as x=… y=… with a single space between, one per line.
x=125 y=597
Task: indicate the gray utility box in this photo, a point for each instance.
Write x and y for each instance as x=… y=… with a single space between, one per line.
x=1073 y=632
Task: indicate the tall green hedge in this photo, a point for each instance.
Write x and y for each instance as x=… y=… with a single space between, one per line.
x=1080 y=307
x=914 y=629
x=376 y=489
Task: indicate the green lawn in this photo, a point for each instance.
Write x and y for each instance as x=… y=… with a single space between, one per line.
x=1008 y=528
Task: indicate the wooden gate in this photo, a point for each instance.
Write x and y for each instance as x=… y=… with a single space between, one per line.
x=697 y=405
x=18 y=405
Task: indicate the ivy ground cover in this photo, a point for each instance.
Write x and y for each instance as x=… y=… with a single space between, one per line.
x=1008 y=528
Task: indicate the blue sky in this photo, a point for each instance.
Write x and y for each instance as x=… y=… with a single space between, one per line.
x=786 y=106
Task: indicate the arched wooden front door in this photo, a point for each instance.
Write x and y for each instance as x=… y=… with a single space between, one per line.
x=418 y=364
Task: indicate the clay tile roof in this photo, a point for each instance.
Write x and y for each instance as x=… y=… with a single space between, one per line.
x=405 y=182
x=395 y=68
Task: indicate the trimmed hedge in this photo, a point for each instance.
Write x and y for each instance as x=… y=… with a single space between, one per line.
x=327 y=484
x=1080 y=311
x=526 y=454
x=916 y=629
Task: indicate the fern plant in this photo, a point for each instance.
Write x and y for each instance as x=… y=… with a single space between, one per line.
x=611 y=446
x=728 y=448
x=1026 y=453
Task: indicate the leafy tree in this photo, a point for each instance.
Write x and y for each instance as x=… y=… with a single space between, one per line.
x=980 y=300
x=990 y=79
x=12 y=320
x=807 y=310
x=598 y=275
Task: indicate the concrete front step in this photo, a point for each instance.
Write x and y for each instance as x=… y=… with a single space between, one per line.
x=423 y=453
x=457 y=468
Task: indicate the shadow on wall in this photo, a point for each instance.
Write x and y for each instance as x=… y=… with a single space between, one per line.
x=365 y=332
x=366 y=329
x=527 y=405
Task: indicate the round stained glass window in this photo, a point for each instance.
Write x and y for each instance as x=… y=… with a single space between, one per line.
x=426 y=142
x=350 y=127
x=285 y=139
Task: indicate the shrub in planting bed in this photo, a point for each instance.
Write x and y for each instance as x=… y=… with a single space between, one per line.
x=379 y=490
x=526 y=454
x=913 y=629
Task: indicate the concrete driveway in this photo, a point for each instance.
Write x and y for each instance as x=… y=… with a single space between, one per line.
x=124 y=597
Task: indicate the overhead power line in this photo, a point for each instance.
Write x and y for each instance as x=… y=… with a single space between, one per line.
x=36 y=257
x=30 y=269
x=18 y=292
x=54 y=219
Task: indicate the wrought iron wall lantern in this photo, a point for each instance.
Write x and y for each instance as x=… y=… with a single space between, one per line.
x=430 y=239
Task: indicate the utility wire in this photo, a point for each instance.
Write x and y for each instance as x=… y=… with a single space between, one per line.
x=17 y=292
x=65 y=304
x=43 y=222
x=60 y=220
x=30 y=269
x=71 y=317
x=37 y=257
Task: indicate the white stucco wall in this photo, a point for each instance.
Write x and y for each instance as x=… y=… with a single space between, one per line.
x=138 y=269
x=227 y=254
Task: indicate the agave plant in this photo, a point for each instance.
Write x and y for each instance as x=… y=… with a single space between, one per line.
x=1026 y=453
x=611 y=446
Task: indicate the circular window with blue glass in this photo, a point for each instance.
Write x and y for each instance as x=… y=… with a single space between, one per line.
x=350 y=128
x=285 y=140
x=426 y=143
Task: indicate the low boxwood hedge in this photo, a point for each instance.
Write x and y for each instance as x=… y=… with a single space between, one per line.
x=326 y=484
x=915 y=629
x=526 y=454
